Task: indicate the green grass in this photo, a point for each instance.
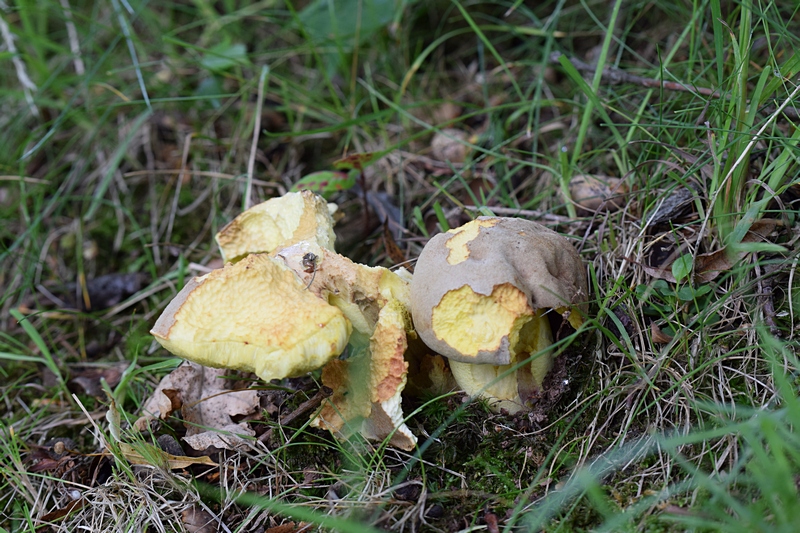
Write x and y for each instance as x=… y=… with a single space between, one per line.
x=129 y=142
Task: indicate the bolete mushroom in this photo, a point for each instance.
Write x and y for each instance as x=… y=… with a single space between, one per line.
x=256 y=316
x=295 y=309
x=277 y=223
x=481 y=296
x=368 y=384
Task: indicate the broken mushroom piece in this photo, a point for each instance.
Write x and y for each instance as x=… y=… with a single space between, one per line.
x=256 y=316
x=276 y=223
x=368 y=384
x=480 y=297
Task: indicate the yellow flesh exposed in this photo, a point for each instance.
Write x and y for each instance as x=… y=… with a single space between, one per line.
x=256 y=316
x=275 y=223
x=457 y=244
x=472 y=322
x=503 y=393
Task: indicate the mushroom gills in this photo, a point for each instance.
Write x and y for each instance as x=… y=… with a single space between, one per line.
x=514 y=390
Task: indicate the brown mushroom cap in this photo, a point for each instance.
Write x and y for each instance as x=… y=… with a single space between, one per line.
x=475 y=287
x=450 y=144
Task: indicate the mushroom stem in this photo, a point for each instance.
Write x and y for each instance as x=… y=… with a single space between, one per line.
x=514 y=390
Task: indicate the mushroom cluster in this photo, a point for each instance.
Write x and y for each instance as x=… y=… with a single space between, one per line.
x=482 y=295
x=288 y=304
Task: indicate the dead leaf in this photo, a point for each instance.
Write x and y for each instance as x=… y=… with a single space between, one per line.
x=658 y=336
x=597 y=193
x=709 y=266
x=290 y=527
x=670 y=207
x=395 y=254
x=158 y=457
x=98 y=293
x=355 y=161
x=89 y=378
x=206 y=404
x=660 y=273
x=58 y=514
x=491 y=523
x=198 y=520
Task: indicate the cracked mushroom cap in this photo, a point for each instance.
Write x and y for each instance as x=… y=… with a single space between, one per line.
x=368 y=385
x=256 y=316
x=276 y=223
x=480 y=294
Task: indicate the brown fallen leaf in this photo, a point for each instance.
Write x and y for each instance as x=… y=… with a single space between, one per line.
x=95 y=294
x=709 y=266
x=658 y=336
x=198 y=520
x=58 y=514
x=491 y=522
x=290 y=527
x=88 y=378
x=659 y=273
x=154 y=456
x=670 y=207
x=393 y=251
x=206 y=404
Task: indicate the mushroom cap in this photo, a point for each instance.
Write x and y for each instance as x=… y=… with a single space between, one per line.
x=276 y=223
x=256 y=316
x=476 y=287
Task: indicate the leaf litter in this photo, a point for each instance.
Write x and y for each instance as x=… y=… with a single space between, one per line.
x=207 y=405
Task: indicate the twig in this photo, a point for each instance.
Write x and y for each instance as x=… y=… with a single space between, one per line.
x=615 y=76
x=305 y=407
x=523 y=212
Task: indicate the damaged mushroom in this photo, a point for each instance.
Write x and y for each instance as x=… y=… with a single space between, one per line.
x=255 y=316
x=368 y=384
x=481 y=296
x=277 y=223
x=292 y=310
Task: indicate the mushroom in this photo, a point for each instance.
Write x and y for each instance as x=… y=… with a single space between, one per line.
x=256 y=316
x=294 y=310
x=277 y=223
x=481 y=296
x=368 y=384
x=450 y=144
